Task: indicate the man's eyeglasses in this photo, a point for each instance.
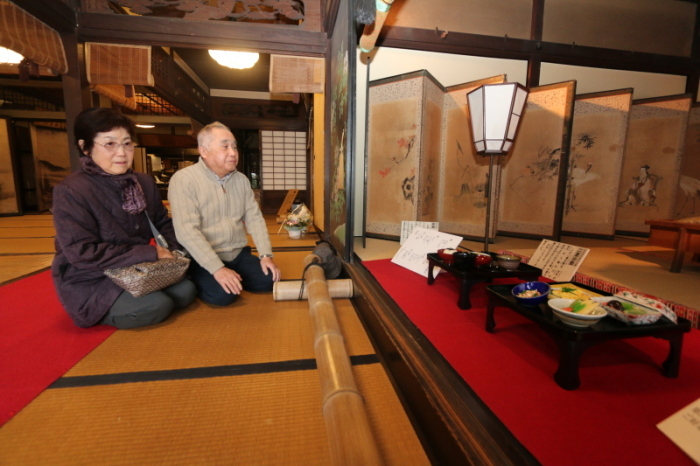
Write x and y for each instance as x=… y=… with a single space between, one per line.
x=113 y=146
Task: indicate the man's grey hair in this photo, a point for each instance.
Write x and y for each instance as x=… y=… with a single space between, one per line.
x=204 y=136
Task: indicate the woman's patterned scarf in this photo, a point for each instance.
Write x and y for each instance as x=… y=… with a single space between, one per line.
x=133 y=199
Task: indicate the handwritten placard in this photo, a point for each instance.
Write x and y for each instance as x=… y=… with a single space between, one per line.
x=413 y=254
x=408 y=226
x=683 y=428
x=558 y=261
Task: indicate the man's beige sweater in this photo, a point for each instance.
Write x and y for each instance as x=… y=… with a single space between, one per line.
x=211 y=219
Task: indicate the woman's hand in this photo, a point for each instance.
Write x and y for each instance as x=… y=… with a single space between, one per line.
x=163 y=253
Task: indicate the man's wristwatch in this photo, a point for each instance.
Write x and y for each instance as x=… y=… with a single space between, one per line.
x=266 y=255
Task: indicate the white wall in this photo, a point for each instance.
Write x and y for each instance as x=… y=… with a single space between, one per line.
x=645 y=85
x=450 y=70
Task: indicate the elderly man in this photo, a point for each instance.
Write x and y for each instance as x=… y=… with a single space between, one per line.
x=212 y=206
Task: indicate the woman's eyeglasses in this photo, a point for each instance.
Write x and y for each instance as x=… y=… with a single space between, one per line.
x=113 y=146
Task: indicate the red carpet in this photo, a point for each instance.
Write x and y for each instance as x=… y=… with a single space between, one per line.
x=38 y=341
x=610 y=419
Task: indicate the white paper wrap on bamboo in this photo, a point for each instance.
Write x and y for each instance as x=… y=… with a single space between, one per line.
x=350 y=437
x=289 y=290
x=371 y=31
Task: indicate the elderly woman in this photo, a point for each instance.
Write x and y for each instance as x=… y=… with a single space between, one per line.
x=101 y=223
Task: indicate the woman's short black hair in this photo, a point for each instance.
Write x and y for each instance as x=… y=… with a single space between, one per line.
x=99 y=120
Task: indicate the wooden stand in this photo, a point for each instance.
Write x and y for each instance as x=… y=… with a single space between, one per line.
x=286 y=205
x=682 y=237
x=350 y=436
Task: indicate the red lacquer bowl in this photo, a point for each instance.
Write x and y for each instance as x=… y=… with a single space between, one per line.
x=447 y=255
x=482 y=259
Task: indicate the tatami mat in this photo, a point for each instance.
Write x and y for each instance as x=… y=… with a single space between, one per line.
x=209 y=415
x=15 y=266
x=282 y=240
x=27 y=220
x=291 y=263
x=27 y=246
x=392 y=429
x=255 y=419
x=253 y=330
x=27 y=232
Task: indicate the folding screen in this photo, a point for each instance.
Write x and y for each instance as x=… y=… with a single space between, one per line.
x=688 y=193
x=9 y=203
x=464 y=181
x=340 y=126
x=51 y=162
x=650 y=172
x=404 y=139
x=534 y=173
x=597 y=150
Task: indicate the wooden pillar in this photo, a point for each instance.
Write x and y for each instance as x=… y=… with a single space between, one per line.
x=350 y=436
x=76 y=92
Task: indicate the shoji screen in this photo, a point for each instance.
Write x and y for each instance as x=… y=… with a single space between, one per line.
x=283 y=160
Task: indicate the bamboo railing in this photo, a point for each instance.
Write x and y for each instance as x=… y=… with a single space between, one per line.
x=350 y=436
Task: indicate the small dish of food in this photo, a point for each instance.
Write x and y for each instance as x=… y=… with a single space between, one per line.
x=628 y=312
x=577 y=312
x=571 y=291
x=531 y=293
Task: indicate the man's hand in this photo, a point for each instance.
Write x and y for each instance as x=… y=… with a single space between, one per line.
x=269 y=267
x=164 y=253
x=229 y=280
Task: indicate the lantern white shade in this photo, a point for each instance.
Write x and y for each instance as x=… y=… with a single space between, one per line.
x=495 y=111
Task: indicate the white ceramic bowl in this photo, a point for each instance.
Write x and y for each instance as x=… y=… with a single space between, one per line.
x=508 y=261
x=572 y=318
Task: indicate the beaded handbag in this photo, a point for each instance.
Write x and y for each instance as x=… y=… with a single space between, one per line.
x=147 y=277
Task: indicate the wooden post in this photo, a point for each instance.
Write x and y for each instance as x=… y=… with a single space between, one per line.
x=350 y=436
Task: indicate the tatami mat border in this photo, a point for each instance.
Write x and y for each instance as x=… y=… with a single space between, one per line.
x=201 y=372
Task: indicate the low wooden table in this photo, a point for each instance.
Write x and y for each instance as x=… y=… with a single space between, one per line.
x=572 y=341
x=682 y=237
x=469 y=277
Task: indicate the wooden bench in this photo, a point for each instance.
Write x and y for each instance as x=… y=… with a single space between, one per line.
x=678 y=235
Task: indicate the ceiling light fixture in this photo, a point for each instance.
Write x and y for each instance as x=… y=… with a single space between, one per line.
x=237 y=60
x=141 y=125
x=8 y=56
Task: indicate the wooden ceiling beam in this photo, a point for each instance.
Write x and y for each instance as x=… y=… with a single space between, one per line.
x=522 y=49
x=148 y=30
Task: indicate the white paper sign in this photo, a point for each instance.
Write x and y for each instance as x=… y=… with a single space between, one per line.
x=407 y=227
x=558 y=261
x=683 y=428
x=413 y=254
